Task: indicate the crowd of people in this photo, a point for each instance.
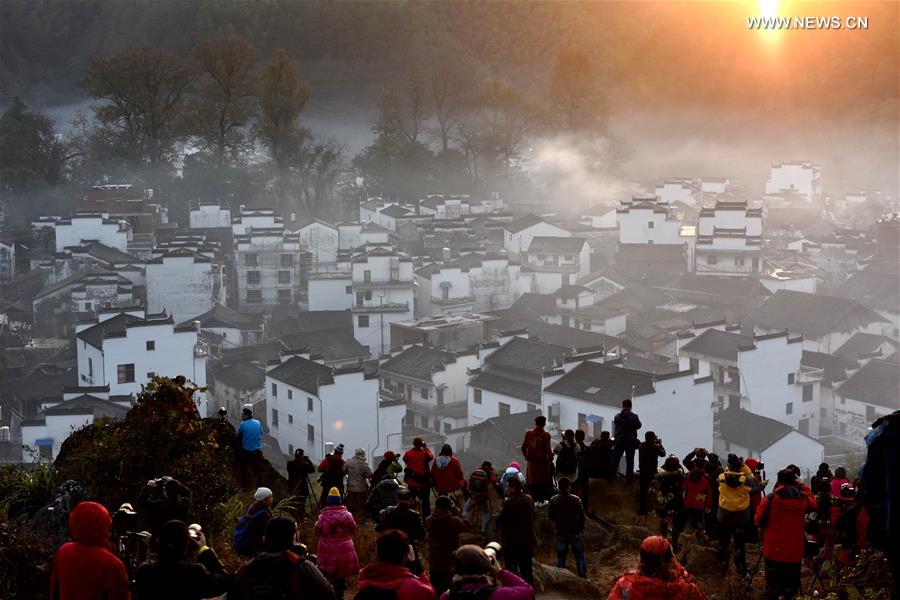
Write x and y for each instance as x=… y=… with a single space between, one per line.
x=726 y=503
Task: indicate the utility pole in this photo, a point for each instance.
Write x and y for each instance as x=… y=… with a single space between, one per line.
x=381 y=325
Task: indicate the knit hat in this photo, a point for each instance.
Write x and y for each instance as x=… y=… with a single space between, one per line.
x=334 y=497
x=515 y=466
x=751 y=463
x=360 y=453
x=389 y=455
x=339 y=449
x=655 y=545
x=734 y=463
x=262 y=493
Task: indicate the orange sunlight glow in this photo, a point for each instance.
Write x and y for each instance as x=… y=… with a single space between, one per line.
x=768 y=8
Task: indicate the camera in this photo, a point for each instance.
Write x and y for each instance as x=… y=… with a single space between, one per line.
x=223 y=414
x=493 y=551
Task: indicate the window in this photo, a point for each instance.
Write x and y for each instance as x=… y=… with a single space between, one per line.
x=807 y=393
x=363 y=321
x=503 y=409
x=531 y=407
x=274 y=417
x=695 y=365
x=790 y=378
x=254 y=296
x=712 y=260
x=274 y=389
x=284 y=296
x=290 y=419
x=284 y=277
x=439 y=392
x=90 y=367
x=424 y=393
x=823 y=413
x=348 y=289
x=253 y=277
x=151 y=346
x=367 y=275
x=251 y=260
x=739 y=261
x=565 y=300
x=87 y=307
x=650 y=225
x=582 y=421
x=368 y=295
x=291 y=449
x=310 y=434
x=789 y=408
x=287 y=260
x=586 y=324
x=125 y=373
x=150 y=374
x=476 y=395
x=309 y=404
x=870 y=413
x=447 y=428
x=290 y=394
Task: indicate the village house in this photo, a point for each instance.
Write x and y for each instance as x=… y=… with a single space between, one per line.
x=473 y=282
x=729 y=240
x=676 y=190
x=310 y=405
x=125 y=350
x=255 y=218
x=354 y=235
x=456 y=206
x=432 y=383
x=646 y=220
x=269 y=269
x=451 y=332
x=209 y=215
x=519 y=233
x=57 y=307
x=75 y=230
x=866 y=395
x=236 y=329
x=552 y=262
x=877 y=287
x=383 y=292
x=231 y=385
x=318 y=238
x=180 y=283
x=575 y=306
x=125 y=202
x=802 y=178
x=714 y=186
x=7 y=258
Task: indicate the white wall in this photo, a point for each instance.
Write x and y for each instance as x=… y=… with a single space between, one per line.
x=58 y=427
x=91 y=228
x=764 y=380
x=796 y=449
x=675 y=191
x=797 y=284
x=321 y=240
x=804 y=179
x=210 y=216
x=516 y=243
x=635 y=227
x=180 y=286
x=330 y=294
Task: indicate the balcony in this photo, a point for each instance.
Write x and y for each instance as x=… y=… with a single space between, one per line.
x=548 y=267
x=452 y=301
x=389 y=395
x=375 y=307
x=808 y=374
x=381 y=284
x=451 y=410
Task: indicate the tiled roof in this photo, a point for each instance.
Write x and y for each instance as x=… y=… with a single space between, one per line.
x=418 y=362
x=863 y=343
x=241 y=376
x=333 y=344
x=878 y=286
x=303 y=374
x=523 y=223
x=529 y=391
x=601 y=384
x=520 y=354
x=222 y=316
x=749 y=430
x=556 y=245
x=718 y=344
x=876 y=383
x=813 y=315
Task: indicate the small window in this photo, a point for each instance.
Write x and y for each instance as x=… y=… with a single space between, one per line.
x=151 y=345
x=695 y=365
x=790 y=378
x=284 y=296
x=125 y=373
x=284 y=277
x=367 y=275
x=503 y=409
x=251 y=260
x=253 y=277
x=274 y=417
x=290 y=419
x=712 y=260
x=287 y=260
x=789 y=408
x=368 y=295
x=476 y=395
x=348 y=289
x=651 y=225
x=447 y=428
x=363 y=321
x=424 y=393
x=870 y=413
x=150 y=374
x=87 y=307
x=254 y=296
x=807 y=393
x=290 y=394
x=739 y=261
x=90 y=367
x=582 y=421
x=531 y=407
x=274 y=389
x=309 y=404
x=291 y=449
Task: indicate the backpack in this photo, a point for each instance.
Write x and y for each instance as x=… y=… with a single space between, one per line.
x=478 y=483
x=241 y=540
x=567 y=461
x=479 y=594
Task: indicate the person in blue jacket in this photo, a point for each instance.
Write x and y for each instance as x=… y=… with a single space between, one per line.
x=249 y=435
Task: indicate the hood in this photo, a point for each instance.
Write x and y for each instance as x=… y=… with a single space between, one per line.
x=443 y=462
x=791 y=499
x=384 y=576
x=89 y=524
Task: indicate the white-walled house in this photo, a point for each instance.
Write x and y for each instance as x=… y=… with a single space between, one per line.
x=210 y=215
x=124 y=350
x=309 y=405
x=801 y=178
x=770 y=441
x=269 y=268
x=383 y=292
x=237 y=329
x=255 y=218
x=676 y=190
x=180 y=283
x=472 y=283
x=432 y=383
x=517 y=235
x=7 y=259
x=319 y=239
x=869 y=393
x=826 y=322
x=714 y=185
x=645 y=220
x=576 y=307
x=354 y=235
x=81 y=227
x=586 y=394
x=729 y=240
x=552 y=262
x=600 y=217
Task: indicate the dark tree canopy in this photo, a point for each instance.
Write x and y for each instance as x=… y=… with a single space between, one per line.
x=30 y=153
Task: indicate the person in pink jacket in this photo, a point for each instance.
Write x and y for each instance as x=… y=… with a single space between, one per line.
x=336 y=553
x=474 y=571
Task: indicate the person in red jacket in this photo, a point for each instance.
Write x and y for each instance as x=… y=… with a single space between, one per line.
x=417 y=473
x=782 y=516
x=85 y=569
x=447 y=473
x=660 y=577
x=698 y=499
x=389 y=573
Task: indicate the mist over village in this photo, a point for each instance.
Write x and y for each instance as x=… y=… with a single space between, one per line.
x=425 y=300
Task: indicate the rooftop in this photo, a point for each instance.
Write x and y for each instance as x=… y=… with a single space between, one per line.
x=303 y=374
x=749 y=430
x=602 y=384
x=418 y=362
x=523 y=223
x=812 y=315
x=520 y=354
x=718 y=344
x=556 y=245
x=875 y=383
x=222 y=316
x=861 y=344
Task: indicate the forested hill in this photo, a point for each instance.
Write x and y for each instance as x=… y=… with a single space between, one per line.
x=646 y=52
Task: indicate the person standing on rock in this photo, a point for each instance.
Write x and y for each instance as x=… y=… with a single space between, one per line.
x=249 y=436
x=659 y=577
x=516 y=522
x=446 y=473
x=625 y=428
x=538 y=457
x=566 y=452
x=648 y=461
x=336 y=553
x=734 y=511
x=417 y=473
x=358 y=475
x=299 y=470
x=567 y=514
x=333 y=468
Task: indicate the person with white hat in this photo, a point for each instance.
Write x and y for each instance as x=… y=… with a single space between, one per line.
x=251 y=528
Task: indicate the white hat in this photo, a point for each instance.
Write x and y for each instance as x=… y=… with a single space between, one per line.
x=248 y=406
x=262 y=493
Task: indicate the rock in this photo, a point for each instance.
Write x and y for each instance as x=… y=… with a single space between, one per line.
x=700 y=560
x=52 y=521
x=554 y=580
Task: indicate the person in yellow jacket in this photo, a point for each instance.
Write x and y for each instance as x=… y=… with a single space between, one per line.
x=735 y=485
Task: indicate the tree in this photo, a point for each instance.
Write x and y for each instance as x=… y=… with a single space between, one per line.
x=282 y=97
x=403 y=109
x=30 y=153
x=576 y=102
x=145 y=88
x=307 y=183
x=226 y=95
x=448 y=88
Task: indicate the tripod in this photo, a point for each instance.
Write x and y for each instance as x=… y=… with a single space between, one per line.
x=754 y=570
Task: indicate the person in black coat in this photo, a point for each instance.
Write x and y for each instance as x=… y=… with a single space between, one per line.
x=299 y=470
x=648 y=461
x=625 y=428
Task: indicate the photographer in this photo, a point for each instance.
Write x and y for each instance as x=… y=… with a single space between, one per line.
x=417 y=473
x=299 y=470
x=660 y=576
x=648 y=460
x=477 y=575
x=162 y=500
x=176 y=573
x=333 y=468
x=389 y=464
x=516 y=521
x=378 y=579
x=383 y=495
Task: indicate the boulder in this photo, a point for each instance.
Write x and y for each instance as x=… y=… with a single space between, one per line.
x=52 y=520
x=553 y=580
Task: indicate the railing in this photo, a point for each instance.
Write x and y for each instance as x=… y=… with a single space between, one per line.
x=381 y=307
x=808 y=374
x=463 y=300
x=389 y=395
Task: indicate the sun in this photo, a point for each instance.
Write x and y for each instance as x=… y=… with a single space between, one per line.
x=768 y=8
